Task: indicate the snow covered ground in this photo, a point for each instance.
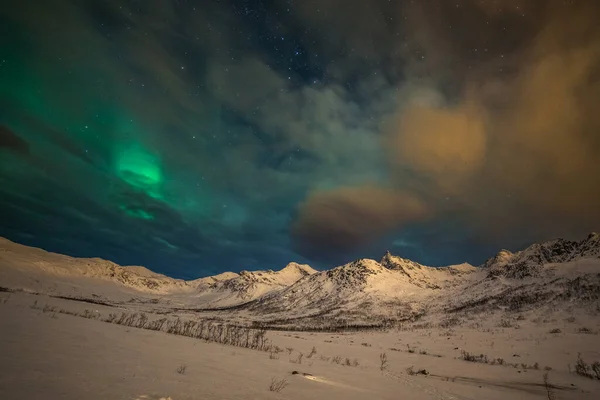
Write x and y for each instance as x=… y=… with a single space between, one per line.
x=90 y=329
x=53 y=355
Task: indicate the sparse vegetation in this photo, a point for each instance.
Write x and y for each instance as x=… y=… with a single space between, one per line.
x=298 y=359
x=383 y=361
x=209 y=331
x=482 y=358
x=507 y=323
x=342 y=361
x=548 y=386
x=583 y=329
x=582 y=368
x=277 y=385
x=449 y=322
x=595 y=366
x=411 y=371
x=181 y=369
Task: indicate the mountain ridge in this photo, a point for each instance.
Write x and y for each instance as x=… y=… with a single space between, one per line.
x=362 y=291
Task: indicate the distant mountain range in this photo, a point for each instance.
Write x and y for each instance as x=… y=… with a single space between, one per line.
x=363 y=292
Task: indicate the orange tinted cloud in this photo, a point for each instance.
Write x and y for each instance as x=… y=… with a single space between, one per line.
x=527 y=154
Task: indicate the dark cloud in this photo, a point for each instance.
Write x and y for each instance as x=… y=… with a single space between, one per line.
x=335 y=222
x=11 y=141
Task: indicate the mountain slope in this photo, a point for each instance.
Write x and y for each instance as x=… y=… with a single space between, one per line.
x=554 y=274
x=38 y=270
x=530 y=261
x=362 y=291
x=234 y=289
x=29 y=260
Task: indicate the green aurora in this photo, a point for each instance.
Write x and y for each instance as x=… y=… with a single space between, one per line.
x=197 y=137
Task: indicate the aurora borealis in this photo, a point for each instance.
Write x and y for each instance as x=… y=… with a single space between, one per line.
x=195 y=137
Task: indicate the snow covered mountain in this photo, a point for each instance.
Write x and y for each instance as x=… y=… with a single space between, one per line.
x=231 y=289
x=38 y=270
x=530 y=262
x=31 y=261
x=361 y=292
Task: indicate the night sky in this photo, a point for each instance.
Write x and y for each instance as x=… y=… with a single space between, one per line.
x=194 y=137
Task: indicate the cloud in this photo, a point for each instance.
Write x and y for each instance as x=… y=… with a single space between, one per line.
x=337 y=221
x=447 y=145
x=501 y=136
x=524 y=160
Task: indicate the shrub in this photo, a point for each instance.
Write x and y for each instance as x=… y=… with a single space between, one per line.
x=383 y=361
x=277 y=385
x=505 y=323
x=582 y=368
x=482 y=358
x=548 y=387
x=596 y=369
x=411 y=371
